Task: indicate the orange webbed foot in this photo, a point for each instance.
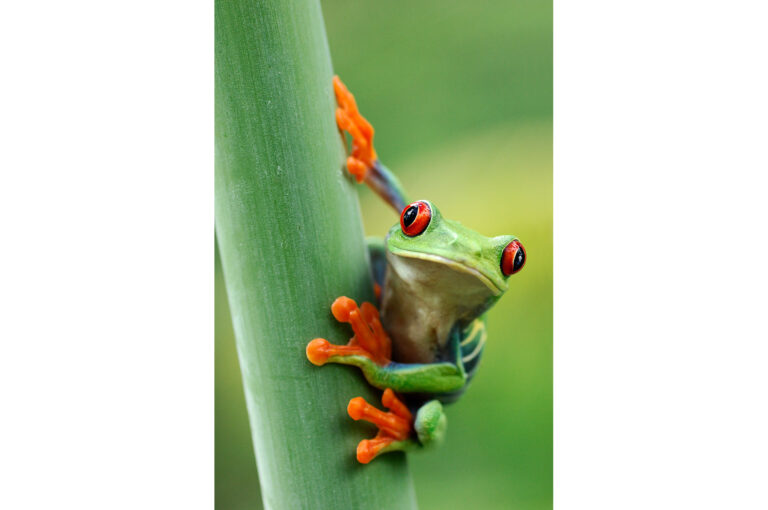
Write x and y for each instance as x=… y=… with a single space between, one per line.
x=348 y=119
x=370 y=339
x=395 y=425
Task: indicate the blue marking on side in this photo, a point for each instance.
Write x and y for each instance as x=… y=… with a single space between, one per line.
x=471 y=348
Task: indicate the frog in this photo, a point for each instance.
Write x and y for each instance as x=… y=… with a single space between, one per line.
x=434 y=280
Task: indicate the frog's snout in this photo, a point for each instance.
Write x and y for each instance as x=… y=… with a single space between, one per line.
x=470 y=249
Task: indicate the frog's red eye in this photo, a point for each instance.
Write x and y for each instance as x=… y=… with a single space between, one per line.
x=513 y=258
x=415 y=218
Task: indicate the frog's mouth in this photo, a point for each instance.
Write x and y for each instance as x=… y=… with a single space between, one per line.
x=487 y=280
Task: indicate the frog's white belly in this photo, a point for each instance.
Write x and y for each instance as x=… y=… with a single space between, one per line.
x=421 y=302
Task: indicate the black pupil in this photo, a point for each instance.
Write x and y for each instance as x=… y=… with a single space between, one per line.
x=519 y=260
x=410 y=215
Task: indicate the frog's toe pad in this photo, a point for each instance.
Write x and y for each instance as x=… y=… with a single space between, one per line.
x=356 y=408
x=342 y=307
x=318 y=351
x=357 y=168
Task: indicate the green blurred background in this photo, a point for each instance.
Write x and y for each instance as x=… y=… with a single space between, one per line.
x=460 y=94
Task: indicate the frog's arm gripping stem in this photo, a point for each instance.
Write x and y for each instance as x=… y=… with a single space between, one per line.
x=362 y=161
x=370 y=350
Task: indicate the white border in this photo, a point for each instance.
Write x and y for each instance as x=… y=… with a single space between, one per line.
x=660 y=255
x=106 y=200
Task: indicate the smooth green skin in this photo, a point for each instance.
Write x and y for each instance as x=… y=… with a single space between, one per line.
x=458 y=248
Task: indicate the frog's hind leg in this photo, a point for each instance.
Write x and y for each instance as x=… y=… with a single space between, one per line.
x=363 y=162
x=397 y=427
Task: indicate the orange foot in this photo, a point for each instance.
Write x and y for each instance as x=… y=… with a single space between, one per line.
x=370 y=339
x=396 y=425
x=348 y=119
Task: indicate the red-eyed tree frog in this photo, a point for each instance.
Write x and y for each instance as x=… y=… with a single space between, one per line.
x=435 y=279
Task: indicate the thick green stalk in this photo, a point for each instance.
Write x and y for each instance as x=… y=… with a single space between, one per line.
x=291 y=240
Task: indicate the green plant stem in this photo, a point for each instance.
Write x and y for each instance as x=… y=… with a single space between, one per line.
x=291 y=241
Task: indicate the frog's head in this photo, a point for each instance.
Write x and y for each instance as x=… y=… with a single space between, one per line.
x=424 y=236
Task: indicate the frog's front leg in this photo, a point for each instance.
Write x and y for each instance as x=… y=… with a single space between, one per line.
x=363 y=162
x=370 y=349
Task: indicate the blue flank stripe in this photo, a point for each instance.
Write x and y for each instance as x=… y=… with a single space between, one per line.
x=472 y=346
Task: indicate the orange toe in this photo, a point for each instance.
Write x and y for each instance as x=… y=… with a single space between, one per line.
x=391 y=424
x=342 y=307
x=394 y=404
x=349 y=119
x=357 y=168
x=368 y=449
x=356 y=408
x=318 y=351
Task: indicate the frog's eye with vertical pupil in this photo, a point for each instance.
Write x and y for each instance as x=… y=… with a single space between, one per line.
x=415 y=218
x=513 y=258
